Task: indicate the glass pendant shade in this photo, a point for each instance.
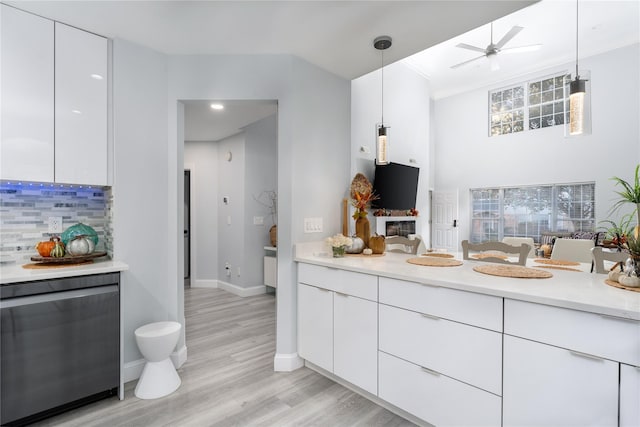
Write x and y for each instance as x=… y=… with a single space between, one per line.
x=579 y=119
x=382 y=156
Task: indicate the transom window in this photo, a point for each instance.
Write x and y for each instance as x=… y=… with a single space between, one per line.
x=532 y=210
x=531 y=105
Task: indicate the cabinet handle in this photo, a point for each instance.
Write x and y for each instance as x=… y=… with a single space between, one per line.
x=429 y=371
x=429 y=316
x=624 y=319
x=341 y=294
x=323 y=289
x=586 y=356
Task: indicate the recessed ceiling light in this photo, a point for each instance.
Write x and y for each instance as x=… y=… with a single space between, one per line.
x=96 y=76
x=217 y=107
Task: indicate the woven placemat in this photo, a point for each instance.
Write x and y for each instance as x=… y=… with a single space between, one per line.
x=620 y=285
x=364 y=256
x=515 y=271
x=555 y=261
x=558 y=267
x=435 y=262
x=484 y=255
x=438 y=255
x=42 y=265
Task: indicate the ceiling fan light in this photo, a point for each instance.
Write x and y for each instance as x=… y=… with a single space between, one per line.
x=493 y=61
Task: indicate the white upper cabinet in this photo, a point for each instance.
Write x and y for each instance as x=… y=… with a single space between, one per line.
x=27 y=123
x=80 y=107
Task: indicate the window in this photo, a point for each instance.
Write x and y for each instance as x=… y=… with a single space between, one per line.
x=529 y=211
x=540 y=103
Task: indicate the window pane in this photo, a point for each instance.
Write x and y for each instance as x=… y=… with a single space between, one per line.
x=534 y=87
x=534 y=124
x=547 y=121
x=534 y=98
x=559 y=119
x=495 y=119
x=518 y=115
x=518 y=126
x=534 y=111
x=559 y=81
x=518 y=102
x=507 y=94
x=518 y=92
x=558 y=107
x=559 y=94
x=548 y=84
x=547 y=109
x=547 y=96
x=496 y=130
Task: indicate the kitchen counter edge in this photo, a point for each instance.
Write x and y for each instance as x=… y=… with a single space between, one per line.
x=17 y=274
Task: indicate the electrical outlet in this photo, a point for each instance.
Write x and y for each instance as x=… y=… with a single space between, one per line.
x=258 y=220
x=55 y=224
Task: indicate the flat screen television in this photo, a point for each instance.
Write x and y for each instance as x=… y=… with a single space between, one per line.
x=396 y=186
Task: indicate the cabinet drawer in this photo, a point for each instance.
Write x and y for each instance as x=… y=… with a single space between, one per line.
x=464 y=352
x=347 y=282
x=437 y=399
x=604 y=336
x=484 y=311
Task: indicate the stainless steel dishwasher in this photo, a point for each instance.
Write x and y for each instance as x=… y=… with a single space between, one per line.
x=60 y=345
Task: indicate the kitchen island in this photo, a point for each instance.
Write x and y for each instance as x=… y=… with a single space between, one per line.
x=14 y=273
x=451 y=346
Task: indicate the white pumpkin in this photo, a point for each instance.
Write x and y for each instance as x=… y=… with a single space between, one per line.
x=80 y=245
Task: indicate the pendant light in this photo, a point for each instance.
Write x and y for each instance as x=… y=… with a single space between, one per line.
x=578 y=107
x=382 y=154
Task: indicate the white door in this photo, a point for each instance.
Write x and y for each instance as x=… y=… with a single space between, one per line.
x=444 y=228
x=355 y=338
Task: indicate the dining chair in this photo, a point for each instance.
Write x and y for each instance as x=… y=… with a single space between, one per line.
x=402 y=244
x=600 y=255
x=522 y=251
x=578 y=250
x=517 y=241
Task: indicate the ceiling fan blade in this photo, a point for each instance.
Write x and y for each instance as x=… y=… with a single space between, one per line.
x=520 y=49
x=511 y=34
x=466 y=62
x=468 y=46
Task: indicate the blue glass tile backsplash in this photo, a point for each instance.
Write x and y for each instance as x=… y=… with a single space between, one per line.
x=25 y=209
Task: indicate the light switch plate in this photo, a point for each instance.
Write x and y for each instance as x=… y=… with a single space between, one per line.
x=313 y=225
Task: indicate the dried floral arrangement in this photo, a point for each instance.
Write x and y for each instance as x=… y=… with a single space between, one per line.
x=362 y=194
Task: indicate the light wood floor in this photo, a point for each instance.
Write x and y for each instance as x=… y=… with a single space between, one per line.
x=228 y=379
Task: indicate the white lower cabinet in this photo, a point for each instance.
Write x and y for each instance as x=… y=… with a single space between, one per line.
x=337 y=328
x=315 y=326
x=629 y=396
x=355 y=341
x=433 y=397
x=551 y=386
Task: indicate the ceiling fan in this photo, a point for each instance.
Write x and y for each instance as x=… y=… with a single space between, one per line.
x=492 y=50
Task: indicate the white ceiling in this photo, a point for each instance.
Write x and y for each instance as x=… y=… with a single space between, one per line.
x=603 y=25
x=334 y=35
x=202 y=123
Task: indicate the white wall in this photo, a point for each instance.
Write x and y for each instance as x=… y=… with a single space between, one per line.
x=407 y=111
x=140 y=220
x=309 y=100
x=231 y=227
x=261 y=172
x=201 y=158
x=466 y=157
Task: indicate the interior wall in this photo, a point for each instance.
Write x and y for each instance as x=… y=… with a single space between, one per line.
x=202 y=159
x=261 y=174
x=407 y=110
x=466 y=157
x=231 y=228
x=140 y=197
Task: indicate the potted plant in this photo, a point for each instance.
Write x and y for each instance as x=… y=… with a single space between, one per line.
x=616 y=234
x=630 y=193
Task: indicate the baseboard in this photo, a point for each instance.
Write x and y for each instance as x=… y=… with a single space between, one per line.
x=132 y=370
x=287 y=362
x=240 y=291
x=205 y=284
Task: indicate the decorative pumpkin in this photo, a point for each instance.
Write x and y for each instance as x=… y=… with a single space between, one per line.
x=45 y=248
x=79 y=229
x=80 y=245
x=58 y=249
x=377 y=244
x=356 y=247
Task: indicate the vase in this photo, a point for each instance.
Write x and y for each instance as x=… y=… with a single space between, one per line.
x=363 y=229
x=273 y=235
x=338 y=251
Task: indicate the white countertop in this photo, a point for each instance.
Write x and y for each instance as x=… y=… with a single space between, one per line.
x=16 y=273
x=569 y=289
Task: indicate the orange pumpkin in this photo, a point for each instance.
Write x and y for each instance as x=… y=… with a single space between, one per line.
x=45 y=248
x=377 y=244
